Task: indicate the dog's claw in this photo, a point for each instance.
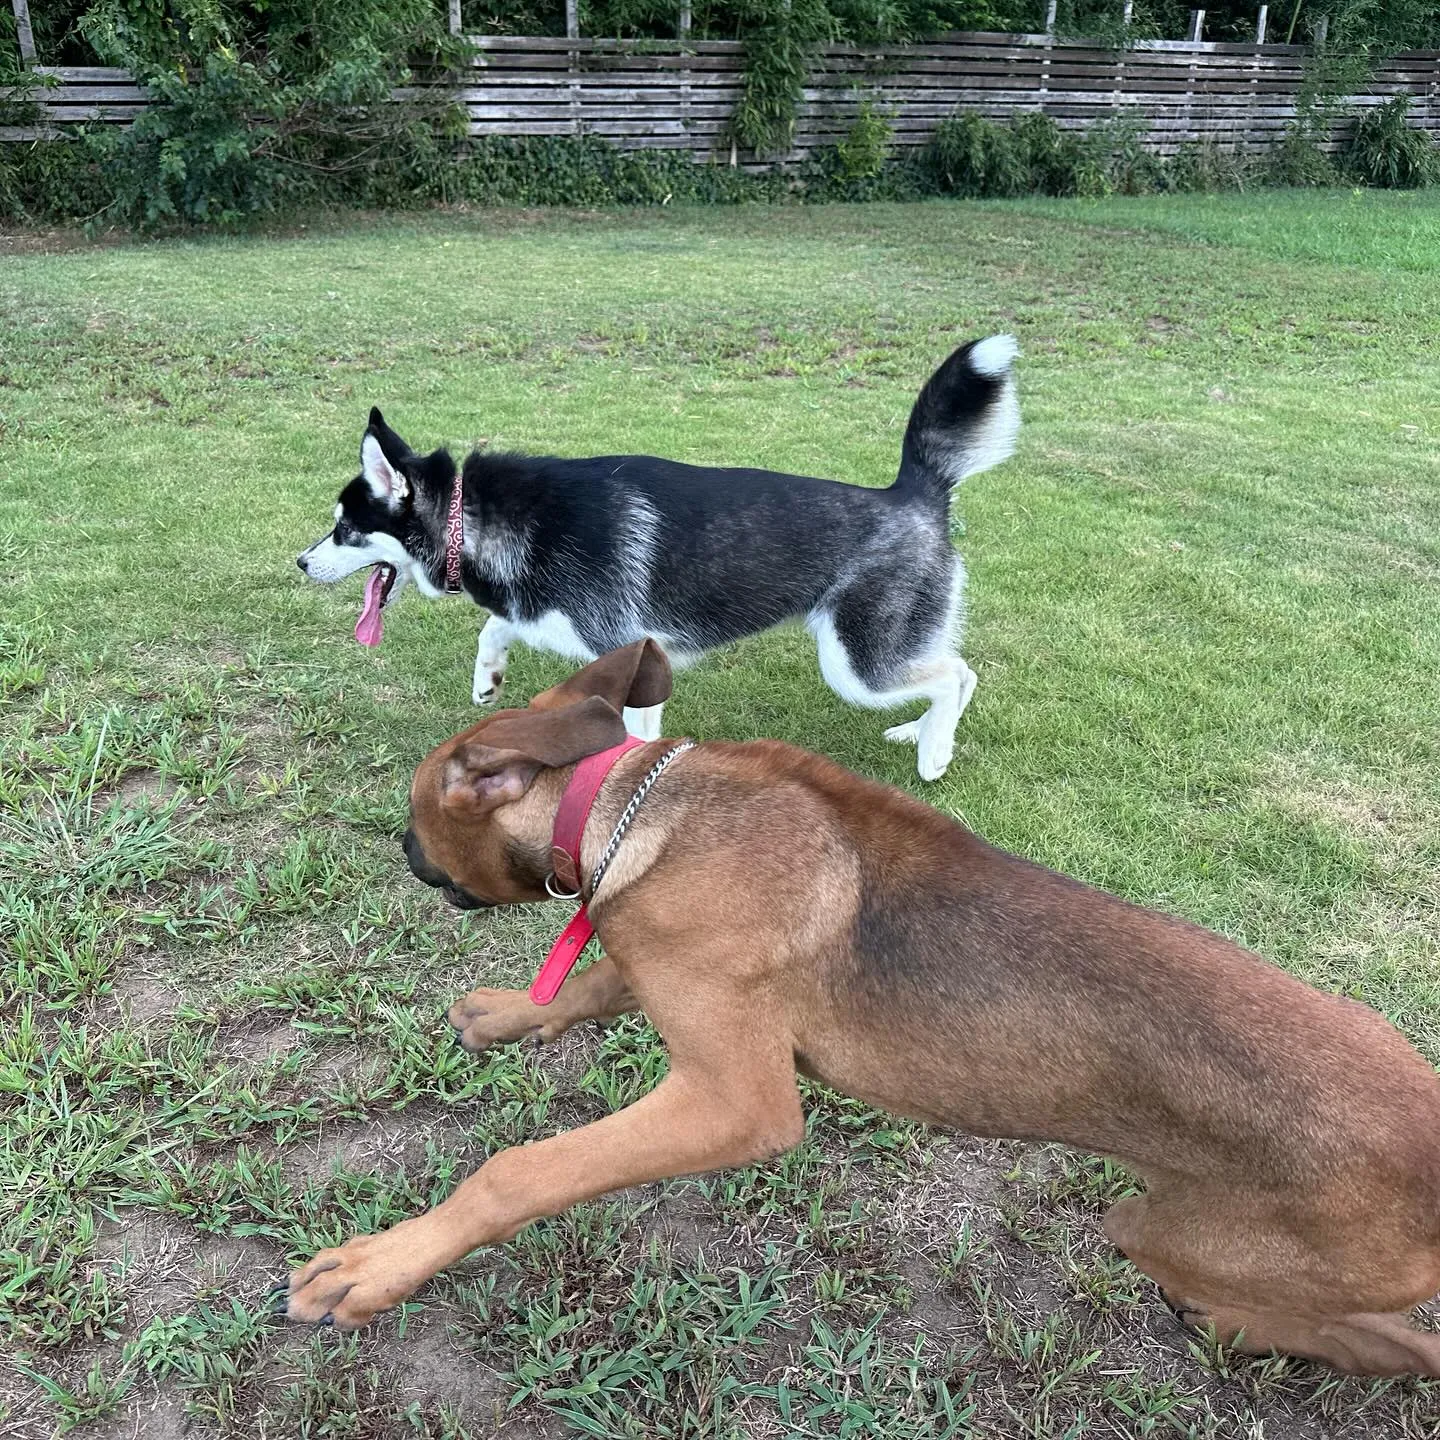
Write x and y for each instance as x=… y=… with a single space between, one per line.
x=327 y=1320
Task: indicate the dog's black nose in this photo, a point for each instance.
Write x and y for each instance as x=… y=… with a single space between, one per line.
x=300 y=561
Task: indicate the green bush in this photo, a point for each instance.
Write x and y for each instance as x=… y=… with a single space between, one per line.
x=1201 y=166
x=587 y=172
x=1386 y=152
x=261 y=107
x=1298 y=159
x=973 y=156
x=864 y=150
x=1032 y=155
x=52 y=181
x=205 y=152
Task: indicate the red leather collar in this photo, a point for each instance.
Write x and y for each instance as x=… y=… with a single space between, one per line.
x=455 y=534
x=569 y=828
x=575 y=806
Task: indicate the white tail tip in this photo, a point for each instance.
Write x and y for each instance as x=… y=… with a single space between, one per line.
x=992 y=357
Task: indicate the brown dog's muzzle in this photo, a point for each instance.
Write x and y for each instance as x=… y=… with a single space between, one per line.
x=435 y=877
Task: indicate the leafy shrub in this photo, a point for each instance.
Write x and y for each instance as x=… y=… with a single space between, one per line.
x=1032 y=155
x=863 y=152
x=1298 y=159
x=1201 y=166
x=205 y=152
x=973 y=156
x=51 y=180
x=1386 y=152
x=584 y=171
x=256 y=107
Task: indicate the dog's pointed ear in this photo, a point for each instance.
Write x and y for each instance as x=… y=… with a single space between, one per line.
x=500 y=764
x=392 y=446
x=636 y=675
x=387 y=484
x=382 y=462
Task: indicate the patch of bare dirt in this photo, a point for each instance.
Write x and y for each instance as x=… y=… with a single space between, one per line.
x=169 y=1267
x=384 y=1142
x=56 y=242
x=151 y=1416
x=259 y=1043
x=141 y=999
x=430 y=1367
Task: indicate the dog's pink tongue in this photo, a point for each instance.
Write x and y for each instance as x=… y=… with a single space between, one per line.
x=370 y=625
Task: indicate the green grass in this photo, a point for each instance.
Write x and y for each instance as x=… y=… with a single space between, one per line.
x=1205 y=612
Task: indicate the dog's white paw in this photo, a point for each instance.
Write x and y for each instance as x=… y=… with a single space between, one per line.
x=933 y=764
x=906 y=734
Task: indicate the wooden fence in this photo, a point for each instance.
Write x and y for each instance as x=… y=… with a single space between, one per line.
x=681 y=96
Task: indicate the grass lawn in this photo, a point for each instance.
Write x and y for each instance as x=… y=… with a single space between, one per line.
x=1205 y=613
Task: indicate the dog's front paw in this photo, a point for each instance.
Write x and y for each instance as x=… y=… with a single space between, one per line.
x=486 y=689
x=349 y=1286
x=484 y=1018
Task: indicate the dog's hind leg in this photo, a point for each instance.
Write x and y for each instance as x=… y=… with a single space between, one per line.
x=948 y=682
x=881 y=647
x=490 y=656
x=1264 y=1286
x=644 y=723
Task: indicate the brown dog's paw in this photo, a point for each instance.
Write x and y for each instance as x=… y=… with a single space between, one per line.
x=491 y=1017
x=348 y=1287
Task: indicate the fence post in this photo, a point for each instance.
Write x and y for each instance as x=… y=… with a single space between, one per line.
x=1260 y=23
x=1119 y=90
x=23 y=32
x=454 y=17
x=1321 y=31
x=684 y=33
x=1050 y=16
x=572 y=32
x=1197 y=24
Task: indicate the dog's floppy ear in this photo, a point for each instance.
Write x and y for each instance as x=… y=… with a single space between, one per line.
x=500 y=764
x=382 y=453
x=637 y=675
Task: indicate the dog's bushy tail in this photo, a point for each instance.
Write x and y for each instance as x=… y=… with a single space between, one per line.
x=964 y=421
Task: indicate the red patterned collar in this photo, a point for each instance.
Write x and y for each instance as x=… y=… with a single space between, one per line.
x=455 y=535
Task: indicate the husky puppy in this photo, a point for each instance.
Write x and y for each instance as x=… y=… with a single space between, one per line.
x=579 y=557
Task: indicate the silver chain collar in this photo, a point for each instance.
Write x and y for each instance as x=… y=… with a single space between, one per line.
x=628 y=814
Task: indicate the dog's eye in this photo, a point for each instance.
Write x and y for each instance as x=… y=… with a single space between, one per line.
x=344 y=534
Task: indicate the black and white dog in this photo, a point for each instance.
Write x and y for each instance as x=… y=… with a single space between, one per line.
x=581 y=556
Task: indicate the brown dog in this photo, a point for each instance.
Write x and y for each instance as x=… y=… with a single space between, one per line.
x=771 y=912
